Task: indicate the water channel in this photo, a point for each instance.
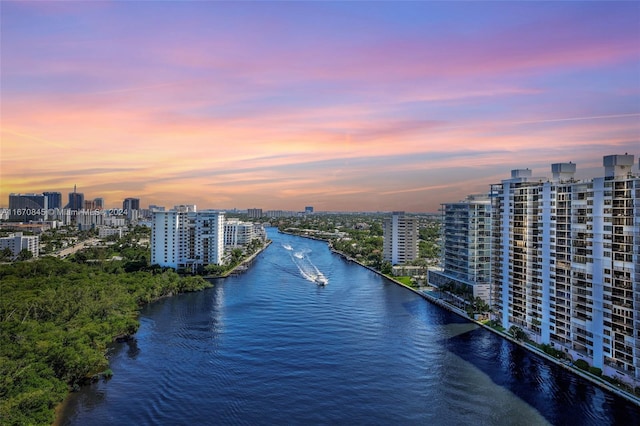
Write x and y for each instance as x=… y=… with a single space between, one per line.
x=271 y=346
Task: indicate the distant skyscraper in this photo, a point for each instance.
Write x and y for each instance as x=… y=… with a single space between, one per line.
x=27 y=207
x=76 y=200
x=131 y=206
x=98 y=203
x=54 y=199
x=400 y=243
x=308 y=209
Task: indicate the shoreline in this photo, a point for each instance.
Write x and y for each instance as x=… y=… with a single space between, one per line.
x=59 y=409
x=240 y=267
x=603 y=384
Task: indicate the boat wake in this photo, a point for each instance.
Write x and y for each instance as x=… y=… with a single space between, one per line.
x=306 y=267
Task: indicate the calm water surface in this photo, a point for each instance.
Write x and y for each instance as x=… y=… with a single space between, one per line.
x=272 y=347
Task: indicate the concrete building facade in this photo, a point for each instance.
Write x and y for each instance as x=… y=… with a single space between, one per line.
x=54 y=199
x=466 y=254
x=565 y=262
x=28 y=207
x=76 y=200
x=131 y=207
x=237 y=233
x=17 y=242
x=185 y=238
x=206 y=238
x=400 y=242
x=254 y=213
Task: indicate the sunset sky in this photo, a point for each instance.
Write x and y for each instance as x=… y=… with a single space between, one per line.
x=361 y=106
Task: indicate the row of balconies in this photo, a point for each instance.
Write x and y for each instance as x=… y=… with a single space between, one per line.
x=622 y=221
x=624 y=193
x=622 y=321
x=623 y=257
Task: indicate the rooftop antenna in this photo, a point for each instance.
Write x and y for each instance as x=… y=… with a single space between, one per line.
x=74 y=188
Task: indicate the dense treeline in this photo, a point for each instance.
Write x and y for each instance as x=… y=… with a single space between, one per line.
x=362 y=237
x=57 y=318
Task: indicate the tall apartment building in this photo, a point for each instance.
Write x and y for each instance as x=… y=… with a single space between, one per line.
x=466 y=261
x=565 y=262
x=237 y=233
x=254 y=213
x=98 y=203
x=17 y=242
x=54 y=199
x=206 y=237
x=76 y=200
x=132 y=208
x=27 y=207
x=185 y=238
x=400 y=238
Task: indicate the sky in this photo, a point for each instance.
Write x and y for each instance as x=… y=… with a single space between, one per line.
x=343 y=106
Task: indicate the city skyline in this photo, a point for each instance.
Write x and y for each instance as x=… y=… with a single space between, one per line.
x=355 y=106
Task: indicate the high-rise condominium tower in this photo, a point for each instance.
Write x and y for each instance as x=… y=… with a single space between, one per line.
x=400 y=238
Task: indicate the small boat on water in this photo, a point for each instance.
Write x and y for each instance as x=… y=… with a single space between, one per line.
x=321 y=280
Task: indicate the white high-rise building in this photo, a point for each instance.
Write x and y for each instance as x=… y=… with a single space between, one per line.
x=466 y=261
x=237 y=233
x=206 y=238
x=170 y=238
x=185 y=238
x=400 y=243
x=17 y=242
x=566 y=262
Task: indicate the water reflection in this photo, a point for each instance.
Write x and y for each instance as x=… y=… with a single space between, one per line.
x=132 y=348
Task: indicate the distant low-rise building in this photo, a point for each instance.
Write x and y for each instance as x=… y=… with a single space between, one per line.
x=113 y=221
x=275 y=214
x=106 y=231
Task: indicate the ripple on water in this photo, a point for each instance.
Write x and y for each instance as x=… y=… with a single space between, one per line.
x=270 y=347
